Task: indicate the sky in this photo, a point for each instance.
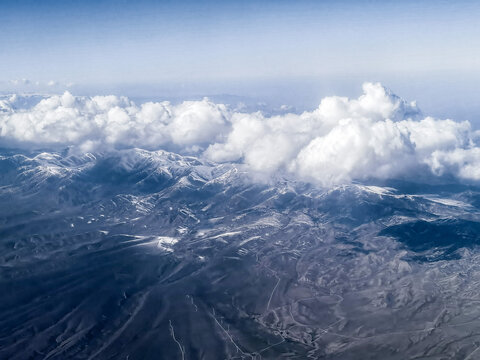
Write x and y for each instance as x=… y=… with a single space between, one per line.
x=292 y=52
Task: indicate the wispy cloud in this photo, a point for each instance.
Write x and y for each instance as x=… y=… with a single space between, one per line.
x=28 y=84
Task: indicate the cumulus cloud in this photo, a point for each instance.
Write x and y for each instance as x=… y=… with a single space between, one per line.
x=111 y=121
x=378 y=135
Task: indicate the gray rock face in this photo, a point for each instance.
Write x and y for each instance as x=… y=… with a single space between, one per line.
x=151 y=255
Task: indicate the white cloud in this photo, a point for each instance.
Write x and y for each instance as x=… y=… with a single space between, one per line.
x=113 y=121
x=377 y=135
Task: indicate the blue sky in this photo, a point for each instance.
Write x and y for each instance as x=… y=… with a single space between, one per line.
x=245 y=47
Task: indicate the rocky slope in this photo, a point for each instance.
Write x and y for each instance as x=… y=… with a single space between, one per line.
x=152 y=255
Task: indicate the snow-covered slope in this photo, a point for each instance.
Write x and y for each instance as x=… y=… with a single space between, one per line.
x=153 y=255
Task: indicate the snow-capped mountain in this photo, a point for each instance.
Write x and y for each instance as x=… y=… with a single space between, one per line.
x=149 y=254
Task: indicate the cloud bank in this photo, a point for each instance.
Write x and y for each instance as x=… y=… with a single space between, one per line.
x=378 y=135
